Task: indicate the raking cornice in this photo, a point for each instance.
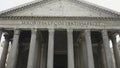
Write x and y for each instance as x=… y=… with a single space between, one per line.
x=87 y=4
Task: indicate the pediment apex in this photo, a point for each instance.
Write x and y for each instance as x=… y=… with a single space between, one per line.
x=47 y=2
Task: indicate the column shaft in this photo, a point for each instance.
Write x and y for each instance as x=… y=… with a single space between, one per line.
x=0 y=34
x=45 y=65
x=5 y=51
x=116 y=52
x=90 y=60
x=108 y=53
x=70 y=49
x=39 y=56
x=31 y=56
x=14 y=50
x=50 y=56
x=76 y=56
x=42 y=56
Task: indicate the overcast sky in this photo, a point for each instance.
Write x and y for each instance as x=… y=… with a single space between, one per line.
x=111 y=4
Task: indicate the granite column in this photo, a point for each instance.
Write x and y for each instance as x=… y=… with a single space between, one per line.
x=106 y=46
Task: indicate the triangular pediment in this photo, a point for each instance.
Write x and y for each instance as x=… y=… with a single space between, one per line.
x=59 y=8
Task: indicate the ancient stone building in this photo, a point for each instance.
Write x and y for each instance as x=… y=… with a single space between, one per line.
x=59 y=34
x=119 y=46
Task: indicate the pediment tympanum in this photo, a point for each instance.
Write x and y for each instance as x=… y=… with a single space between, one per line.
x=59 y=8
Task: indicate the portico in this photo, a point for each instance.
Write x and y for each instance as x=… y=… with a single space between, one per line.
x=45 y=35
x=49 y=46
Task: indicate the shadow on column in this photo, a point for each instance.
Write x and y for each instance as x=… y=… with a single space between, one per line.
x=24 y=42
x=98 y=51
x=41 y=49
x=79 y=50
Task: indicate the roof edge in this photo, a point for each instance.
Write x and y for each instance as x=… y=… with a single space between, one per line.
x=21 y=6
x=64 y=17
x=88 y=4
x=95 y=6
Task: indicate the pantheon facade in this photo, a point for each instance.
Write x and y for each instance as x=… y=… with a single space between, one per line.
x=59 y=34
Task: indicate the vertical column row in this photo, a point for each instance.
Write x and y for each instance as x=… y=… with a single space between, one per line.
x=1 y=59
x=90 y=61
x=14 y=50
x=5 y=51
x=116 y=51
x=108 y=54
x=50 y=56
x=88 y=48
x=31 y=56
x=34 y=51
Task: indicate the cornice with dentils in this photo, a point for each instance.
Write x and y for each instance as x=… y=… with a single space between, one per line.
x=58 y=18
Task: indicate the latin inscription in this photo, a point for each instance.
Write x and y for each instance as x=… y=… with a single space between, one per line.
x=75 y=24
x=62 y=23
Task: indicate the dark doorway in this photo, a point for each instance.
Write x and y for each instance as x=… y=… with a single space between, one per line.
x=60 y=61
x=60 y=52
x=24 y=42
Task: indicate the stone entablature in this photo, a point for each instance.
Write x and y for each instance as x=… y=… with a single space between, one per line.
x=59 y=22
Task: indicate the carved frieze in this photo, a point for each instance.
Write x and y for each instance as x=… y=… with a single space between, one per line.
x=61 y=23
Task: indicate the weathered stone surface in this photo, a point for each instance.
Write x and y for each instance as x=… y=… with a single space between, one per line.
x=50 y=56
x=13 y=55
x=66 y=15
x=31 y=57
x=106 y=46
x=90 y=60
x=116 y=51
x=5 y=51
x=75 y=23
x=70 y=49
x=60 y=8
